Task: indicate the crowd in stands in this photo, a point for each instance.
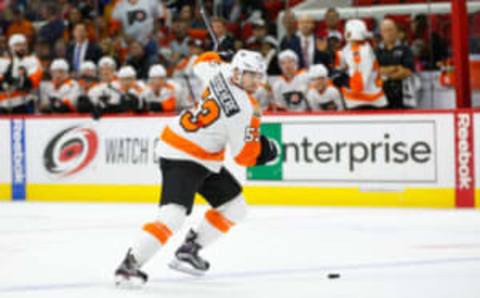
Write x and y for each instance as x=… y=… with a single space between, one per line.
x=115 y=56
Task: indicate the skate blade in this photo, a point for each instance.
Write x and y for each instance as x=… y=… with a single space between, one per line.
x=123 y=282
x=185 y=268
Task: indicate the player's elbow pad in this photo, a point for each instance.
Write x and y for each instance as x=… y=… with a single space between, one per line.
x=268 y=151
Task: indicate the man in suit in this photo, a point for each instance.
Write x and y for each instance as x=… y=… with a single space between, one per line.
x=310 y=49
x=225 y=41
x=81 y=49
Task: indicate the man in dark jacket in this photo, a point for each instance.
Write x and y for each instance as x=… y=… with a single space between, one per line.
x=81 y=49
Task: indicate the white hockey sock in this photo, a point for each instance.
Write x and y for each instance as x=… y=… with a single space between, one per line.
x=156 y=234
x=218 y=222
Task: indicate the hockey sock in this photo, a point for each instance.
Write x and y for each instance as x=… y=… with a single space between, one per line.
x=218 y=221
x=156 y=234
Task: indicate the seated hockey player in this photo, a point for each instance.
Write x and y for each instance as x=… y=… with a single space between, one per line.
x=289 y=89
x=87 y=80
x=118 y=96
x=160 y=95
x=20 y=74
x=60 y=94
x=87 y=76
x=192 y=151
x=321 y=94
x=363 y=87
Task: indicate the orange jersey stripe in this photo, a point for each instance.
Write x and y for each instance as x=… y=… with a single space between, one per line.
x=169 y=104
x=250 y=151
x=349 y=95
x=187 y=146
x=208 y=57
x=159 y=231
x=218 y=220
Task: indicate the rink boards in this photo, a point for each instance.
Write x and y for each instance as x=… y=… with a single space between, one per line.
x=416 y=159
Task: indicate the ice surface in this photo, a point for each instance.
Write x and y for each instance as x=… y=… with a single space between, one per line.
x=71 y=250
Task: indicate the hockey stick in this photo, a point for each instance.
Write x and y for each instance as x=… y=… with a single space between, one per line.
x=206 y=20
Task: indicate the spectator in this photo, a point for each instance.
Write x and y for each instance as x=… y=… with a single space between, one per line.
x=259 y=33
x=333 y=24
x=396 y=64
x=289 y=89
x=80 y=49
x=179 y=45
x=363 y=87
x=22 y=26
x=268 y=49
x=138 y=19
x=225 y=41
x=44 y=53
x=75 y=17
x=3 y=46
x=321 y=95
x=428 y=47
x=289 y=22
x=138 y=59
x=60 y=49
x=309 y=50
x=54 y=27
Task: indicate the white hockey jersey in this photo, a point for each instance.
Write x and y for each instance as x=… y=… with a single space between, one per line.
x=225 y=115
x=67 y=92
x=168 y=96
x=365 y=88
x=319 y=100
x=112 y=92
x=290 y=94
x=34 y=71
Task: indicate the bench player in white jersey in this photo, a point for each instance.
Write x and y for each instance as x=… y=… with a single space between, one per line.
x=192 y=153
x=321 y=94
x=289 y=89
x=161 y=95
x=60 y=94
x=120 y=95
x=20 y=74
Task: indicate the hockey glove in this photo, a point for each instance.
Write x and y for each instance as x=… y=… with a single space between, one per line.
x=57 y=105
x=268 y=151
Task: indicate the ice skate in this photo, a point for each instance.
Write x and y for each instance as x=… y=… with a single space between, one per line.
x=187 y=259
x=129 y=273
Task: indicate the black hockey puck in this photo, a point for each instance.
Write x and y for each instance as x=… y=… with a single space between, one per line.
x=333 y=275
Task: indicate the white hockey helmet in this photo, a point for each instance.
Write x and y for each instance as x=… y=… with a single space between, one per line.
x=157 y=71
x=88 y=66
x=356 y=30
x=317 y=71
x=287 y=54
x=59 y=64
x=246 y=60
x=16 y=39
x=108 y=62
x=127 y=72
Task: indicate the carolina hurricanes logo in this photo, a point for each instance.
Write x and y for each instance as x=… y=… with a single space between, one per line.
x=70 y=151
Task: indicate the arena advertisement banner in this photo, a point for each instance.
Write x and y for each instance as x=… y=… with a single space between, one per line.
x=477 y=157
x=110 y=151
x=5 y=160
x=390 y=149
x=345 y=159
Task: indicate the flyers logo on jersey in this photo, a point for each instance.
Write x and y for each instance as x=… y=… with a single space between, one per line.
x=224 y=96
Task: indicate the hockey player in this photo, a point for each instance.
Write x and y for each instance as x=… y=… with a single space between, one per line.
x=321 y=94
x=87 y=76
x=363 y=88
x=192 y=153
x=289 y=90
x=160 y=95
x=60 y=94
x=20 y=73
x=118 y=96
